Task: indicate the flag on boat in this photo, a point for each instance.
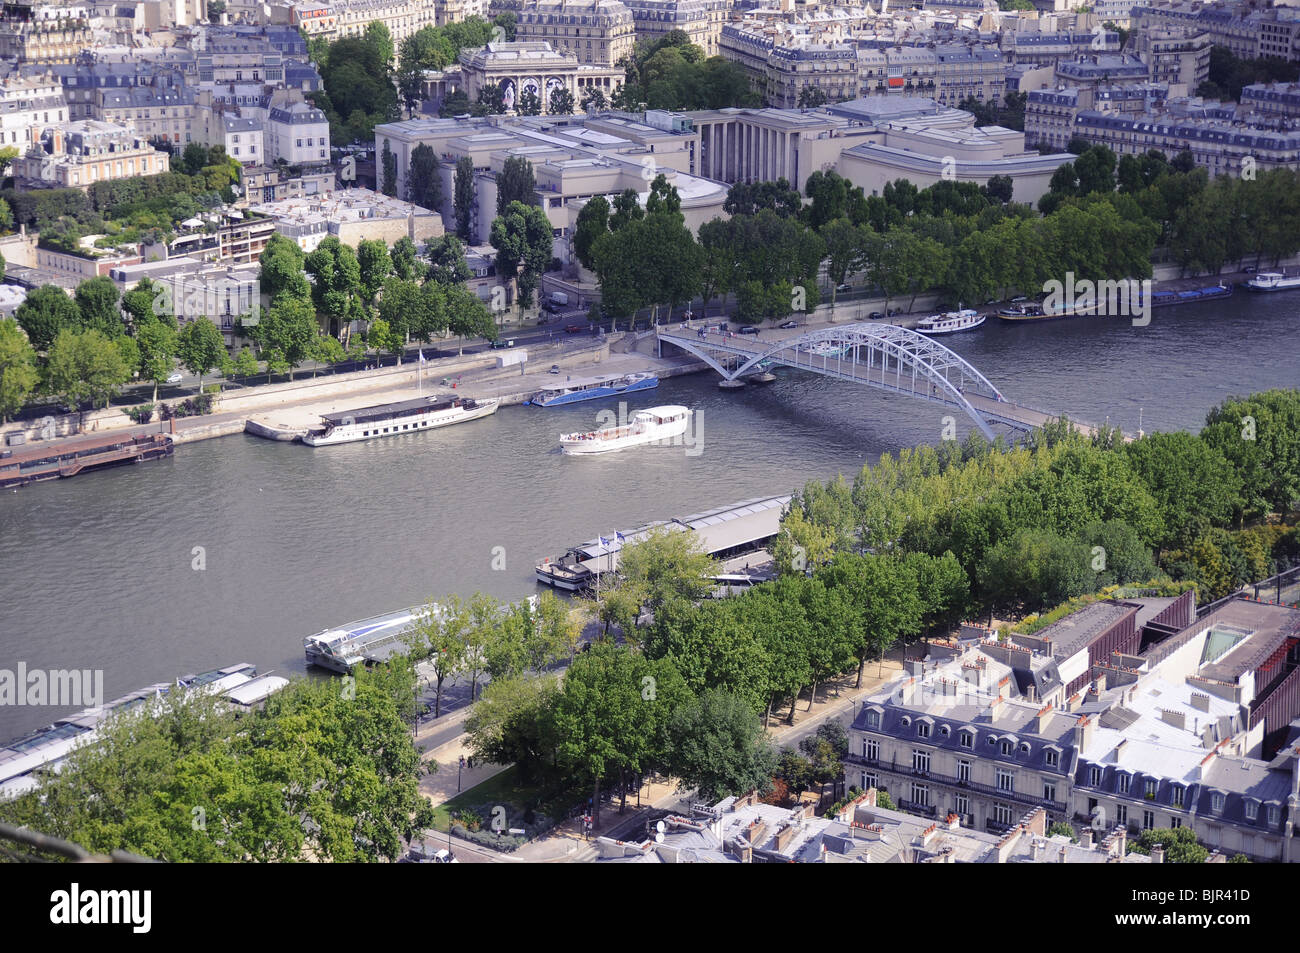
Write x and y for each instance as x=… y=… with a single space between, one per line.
x=619 y=536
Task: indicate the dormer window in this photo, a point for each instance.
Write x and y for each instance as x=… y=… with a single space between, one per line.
x=1052 y=758
x=1274 y=815
x=1006 y=747
x=1177 y=795
x=873 y=719
x=923 y=729
x=945 y=731
x=967 y=739
x=1151 y=786
x=1216 y=803
x=1252 y=810
x=1124 y=780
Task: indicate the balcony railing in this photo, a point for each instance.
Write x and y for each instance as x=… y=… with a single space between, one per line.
x=957 y=783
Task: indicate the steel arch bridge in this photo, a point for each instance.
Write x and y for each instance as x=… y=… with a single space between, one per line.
x=884 y=356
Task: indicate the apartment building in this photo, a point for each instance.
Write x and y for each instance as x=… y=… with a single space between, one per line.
x=1218 y=145
x=1050 y=113
x=1247 y=32
x=1102 y=70
x=1193 y=731
x=1049 y=48
x=194 y=288
x=655 y=18
x=45 y=42
x=298 y=133
x=831 y=69
x=79 y=154
x=27 y=104
x=1272 y=99
x=350 y=215
x=152 y=112
x=946 y=73
x=402 y=17
x=1180 y=55
x=597 y=32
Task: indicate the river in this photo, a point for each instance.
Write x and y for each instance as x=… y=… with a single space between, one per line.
x=99 y=572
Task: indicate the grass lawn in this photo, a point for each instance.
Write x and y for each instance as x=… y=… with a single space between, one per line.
x=504 y=788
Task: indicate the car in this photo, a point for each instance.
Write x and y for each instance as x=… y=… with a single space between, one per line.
x=788 y=325
x=748 y=329
x=572 y=329
x=422 y=854
x=875 y=315
x=891 y=312
x=840 y=289
x=555 y=369
x=500 y=344
x=174 y=378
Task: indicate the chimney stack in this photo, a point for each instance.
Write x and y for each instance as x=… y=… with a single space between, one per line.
x=1083 y=733
x=1085 y=838
x=1158 y=854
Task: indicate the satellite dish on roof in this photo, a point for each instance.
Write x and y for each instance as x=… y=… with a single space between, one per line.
x=661 y=827
x=659 y=838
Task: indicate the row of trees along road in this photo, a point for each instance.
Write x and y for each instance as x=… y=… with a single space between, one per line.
x=83 y=349
x=1101 y=219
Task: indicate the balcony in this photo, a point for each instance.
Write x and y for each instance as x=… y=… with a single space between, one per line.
x=958 y=784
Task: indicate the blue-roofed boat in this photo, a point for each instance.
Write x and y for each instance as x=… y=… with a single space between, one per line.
x=592 y=388
x=1160 y=299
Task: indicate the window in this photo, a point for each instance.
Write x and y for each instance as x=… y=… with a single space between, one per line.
x=1175 y=823
x=963 y=771
x=1252 y=810
x=1148 y=820
x=1216 y=803
x=870 y=781
x=1094 y=776
x=1006 y=780
x=923 y=729
x=962 y=803
x=1002 y=814
x=1049 y=791
x=873 y=719
x=967 y=740
x=871 y=750
x=1177 y=796
x=921 y=762
x=1274 y=815
x=1151 y=785
x=1121 y=813
x=1123 y=783
x=1006 y=747
x=1052 y=758
x=921 y=795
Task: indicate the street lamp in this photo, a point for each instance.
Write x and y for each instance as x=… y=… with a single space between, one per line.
x=459 y=767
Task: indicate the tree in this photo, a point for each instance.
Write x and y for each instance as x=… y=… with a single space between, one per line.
x=423 y=180
x=718 y=746
x=463 y=201
x=1000 y=188
x=515 y=183
x=467 y=316
x=336 y=280
x=522 y=238
x=593 y=222
x=1194 y=484
x=18 y=375
x=374 y=265
x=382 y=338
x=512 y=724
x=530 y=104
x=1260 y=437
x=85 y=366
x=287 y=333
x=404 y=256
x=447 y=262
x=388 y=166
x=200 y=347
x=560 y=102
x=380 y=40
x=663 y=567
x=245 y=363
x=1180 y=844
x=593 y=100
x=282 y=264
x=437 y=637
x=611 y=718
x=45 y=312
x=98 y=303
x=811 y=97
x=157 y=342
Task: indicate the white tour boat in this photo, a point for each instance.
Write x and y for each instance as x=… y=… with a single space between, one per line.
x=950 y=322
x=387 y=420
x=1273 y=281
x=646 y=426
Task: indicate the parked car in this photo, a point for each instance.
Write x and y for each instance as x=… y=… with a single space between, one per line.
x=748 y=329
x=840 y=289
x=572 y=329
x=875 y=315
x=501 y=343
x=788 y=325
x=174 y=378
x=555 y=369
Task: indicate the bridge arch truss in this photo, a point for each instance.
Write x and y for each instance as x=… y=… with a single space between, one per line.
x=883 y=356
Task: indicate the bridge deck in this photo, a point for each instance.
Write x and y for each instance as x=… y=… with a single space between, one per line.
x=866 y=362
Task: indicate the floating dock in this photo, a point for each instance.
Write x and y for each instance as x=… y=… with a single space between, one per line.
x=48 y=460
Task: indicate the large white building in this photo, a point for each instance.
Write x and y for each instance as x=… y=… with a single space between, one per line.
x=26 y=105
x=298 y=133
x=597 y=32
